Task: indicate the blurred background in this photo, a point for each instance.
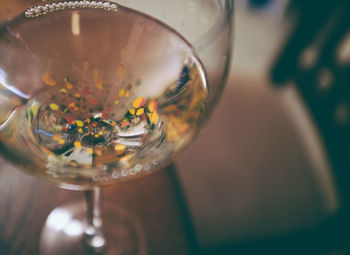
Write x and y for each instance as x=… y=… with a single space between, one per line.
x=268 y=174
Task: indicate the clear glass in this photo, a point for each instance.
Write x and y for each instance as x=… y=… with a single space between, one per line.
x=98 y=93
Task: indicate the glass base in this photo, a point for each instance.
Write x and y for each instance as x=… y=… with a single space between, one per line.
x=65 y=227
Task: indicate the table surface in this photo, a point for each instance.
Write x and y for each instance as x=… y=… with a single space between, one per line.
x=26 y=201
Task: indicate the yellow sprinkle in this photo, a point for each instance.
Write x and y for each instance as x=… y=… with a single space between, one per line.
x=96 y=135
x=88 y=120
x=47 y=79
x=77 y=144
x=121 y=92
x=77 y=95
x=138 y=102
x=80 y=123
x=127 y=94
x=85 y=65
x=61 y=141
x=153 y=117
x=100 y=133
x=69 y=85
x=116 y=102
x=121 y=71
x=140 y=111
x=125 y=158
x=132 y=111
x=56 y=137
x=90 y=151
x=99 y=84
x=54 y=107
x=80 y=130
x=64 y=91
x=119 y=147
x=152 y=105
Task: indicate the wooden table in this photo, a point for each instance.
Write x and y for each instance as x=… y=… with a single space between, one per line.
x=25 y=202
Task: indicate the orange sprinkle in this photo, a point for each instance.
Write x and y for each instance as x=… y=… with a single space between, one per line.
x=96 y=135
x=47 y=79
x=99 y=84
x=132 y=111
x=90 y=151
x=61 y=141
x=138 y=102
x=56 y=137
x=77 y=144
x=69 y=85
x=77 y=95
x=152 y=105
x=127 y=94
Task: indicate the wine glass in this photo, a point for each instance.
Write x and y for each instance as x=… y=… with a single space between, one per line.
x=98 y=93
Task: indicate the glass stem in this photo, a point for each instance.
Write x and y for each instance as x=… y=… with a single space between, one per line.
x=94 y=237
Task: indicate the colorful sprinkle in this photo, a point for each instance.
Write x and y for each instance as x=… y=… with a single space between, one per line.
x=61 y=141
x=153 y=117
x=116 y=102
x=63 y=91
x=90 y=151
x=54 y=107
x=80 y=130
x=152 y=105
x=69 y=85
x=127 y=94
x=140 y=111
x=77 y=144
x=99 y=85
x=132 y=111
x=121 y=92
x=79 y=123
x=138 y=102
x=85 y=91
x=69 y=119
x=77 y=95
x=56 y=137
x=47 y=79
x=94 y=101
x=119 y=147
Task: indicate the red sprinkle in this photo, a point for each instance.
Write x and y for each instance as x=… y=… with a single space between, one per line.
x=86 y=91
x=69 y=119
x=94 y=101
